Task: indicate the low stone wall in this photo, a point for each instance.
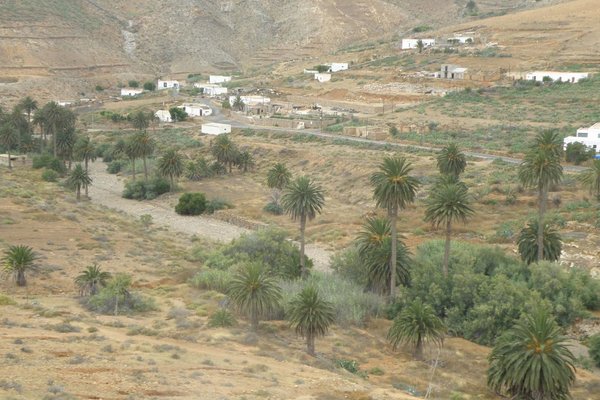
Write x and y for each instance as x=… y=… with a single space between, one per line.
x=226 y=216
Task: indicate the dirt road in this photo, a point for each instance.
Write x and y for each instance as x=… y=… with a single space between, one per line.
x=106 y=190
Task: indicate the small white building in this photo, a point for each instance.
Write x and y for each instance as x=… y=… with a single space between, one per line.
x=196 y=109
x=163 y=116
x=218 y=79
x=214 y=128
x=322 y=77
x=211 y=90
x=336 y=67
x=588 y=136
x=131 y=92
x=555 y=76
x=409 y=43
x=65 y=103
x=450 y=71
x=162 y=85
x=250 y=100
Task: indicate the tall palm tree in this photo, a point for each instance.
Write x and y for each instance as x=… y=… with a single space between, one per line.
x=527 y=243
x=303 y=199
x=415 y=325
x=91 y=279
x=8 y=139
x=451 y=161
x=225 y=151
x=591 y=178
x=28 y=105
x=20 y=124
x=244 y=160
x=85 y=150
x=17 y=260
x=171 y=165
x=254 y=292
x=79 y=178
x=310 y=315
x=375 y=247
x=394 y=189
x=532 y=361
x=65 y=142
x=141 y=120
x=448 y=202
x=132 y=153
x=144 y=147
x=278 y=176
x=540 y=169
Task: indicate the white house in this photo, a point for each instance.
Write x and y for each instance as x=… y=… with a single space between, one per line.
x=167 y=85
x=65 y=103
x=588 y=136
x=196 y=109
x=218 y=79
x=322 y=77
x=571 y=77
x=130 y=92
x=214 y=128
x=210 y=89
x=163 y=116
x=414 y=43
x=450 y=71
x=336 y=67
x=250 y=100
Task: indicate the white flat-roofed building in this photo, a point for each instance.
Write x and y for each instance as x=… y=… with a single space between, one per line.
x=163 y=116
x=218 y=79
x=130 y=92
x=162 y=85
x=588 y=136
x=556 y=76
x=196 y=109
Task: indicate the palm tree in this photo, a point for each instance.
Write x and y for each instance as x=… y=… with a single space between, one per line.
x=310 y=315
x=540 y=169
x=144 y=147
x=451 y=161
x=118 y=287
x=591 y=178
x=171 y=165
x=303 y=199
x=375 y=246
x=527 y=242
x=225 y=151
x=91 y=279
x=254 y=292
x=532 y=361
x=79 y=178
x=448 y=202
x=8 y=139
x=65 y=142
x=415 y=325
x=17 y=260
x=141 y=120
x=20 y=124
x=244 y=160
x=85 y=150
x=132 y=153
x=278 y=176
x=28 y=105
x=394 y=190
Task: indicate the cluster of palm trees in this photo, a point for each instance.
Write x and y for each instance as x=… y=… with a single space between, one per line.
x=227 y=153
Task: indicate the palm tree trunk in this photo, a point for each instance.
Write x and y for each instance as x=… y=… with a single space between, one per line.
x=310 y=344
x=419 y=349
x=21 y=281
x=54 y=142
x=393 y=214
x=543 y=198
x=78 y=192
x=303 y=272
x=86 y=171
x=145 y=169
x=254 y=321
x=447 y=248
x=117 y=304
x=172 y=183
x=9 y=162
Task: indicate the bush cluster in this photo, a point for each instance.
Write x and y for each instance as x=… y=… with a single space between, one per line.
x=142 y=190
x=131 y=303
x=49 y=175
x=191 y=204
x=50 y=162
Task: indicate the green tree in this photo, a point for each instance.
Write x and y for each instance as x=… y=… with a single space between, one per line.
x=310 y=315
x=9 y=139
x=54 y=119
x=224 y=150
x=254 y=292
x=65 y=142
x=118 y=287
x=178 y=114
x=578 y=153
x=540 y=169
x=527 y=243
x=150 y=86
x=278 y=176
x=415 y=325
x=17 y=260
x=132 y=152
x=85 y=150
x=143 y=147
x=91 y=280
x=374 y=244
x=238 y=103
x=420 y=45
x=446 y=203
x=451 y=161
x=79 y=178
x=303 y=199
x=590 y=178
x=171 y=165
x=19 y=122
x=532 y=361
x=394 y=189
x=244 y=160
x=28 y=105
x=133 y=84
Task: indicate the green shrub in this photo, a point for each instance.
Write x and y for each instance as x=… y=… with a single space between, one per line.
x=578 y=153
x=273 y=208
x=349 y=365
x=141 y=190
x=191 y=204
x=150 y=86
x=221 y=319
x=212 y=279
x=131 y=303
x=216 y=205
x=116 y=166
x=49 y=175
x=348 y=265
x=50 y=162
x=594 y=345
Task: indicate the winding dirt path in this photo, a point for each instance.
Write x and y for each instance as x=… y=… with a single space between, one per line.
x=106 y=190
